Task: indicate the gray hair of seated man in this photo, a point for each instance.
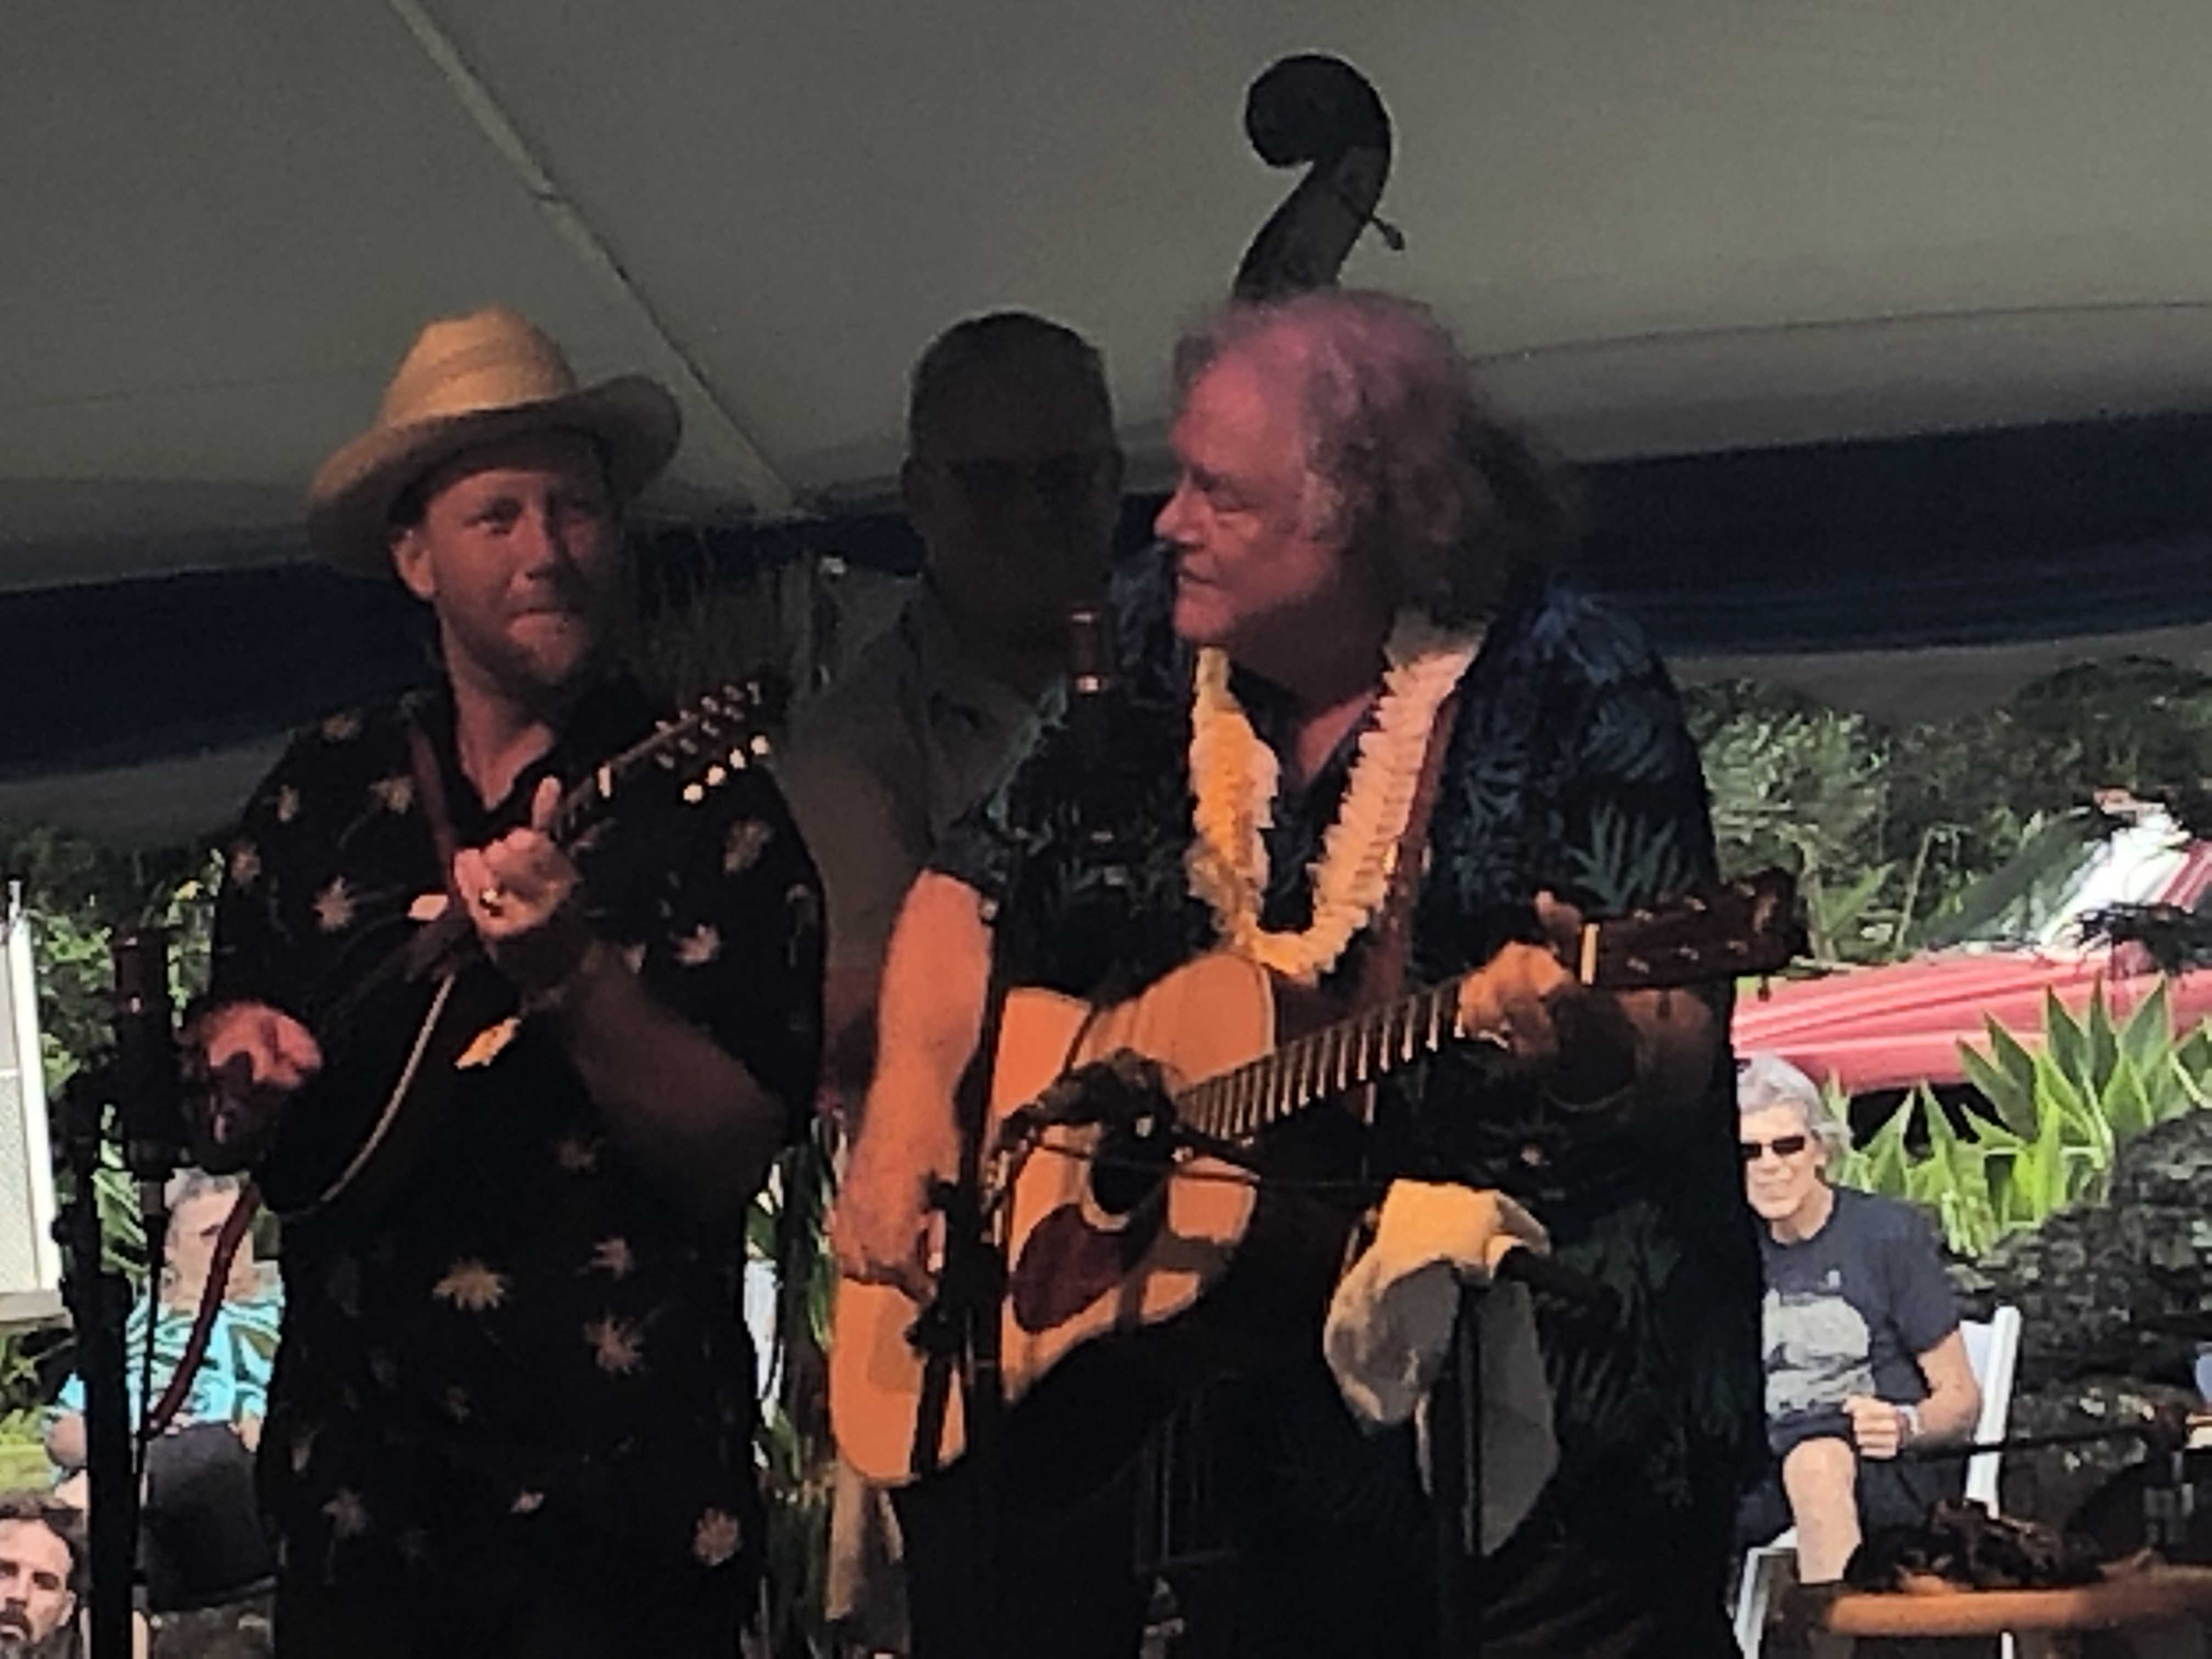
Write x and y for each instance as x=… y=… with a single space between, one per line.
x=1767 y=1080
x=187 y=1184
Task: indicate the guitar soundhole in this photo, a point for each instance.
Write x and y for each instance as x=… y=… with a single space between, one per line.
x=1130 y=1165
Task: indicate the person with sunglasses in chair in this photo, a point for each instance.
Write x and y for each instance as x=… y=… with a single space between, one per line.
x=1860 y=1332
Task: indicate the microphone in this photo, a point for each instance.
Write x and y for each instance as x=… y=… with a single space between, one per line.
x=149 y=1082
x=1090 y=680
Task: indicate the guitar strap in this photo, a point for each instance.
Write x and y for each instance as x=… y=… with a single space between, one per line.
x=226 y=1241
x=1383 y=968
x=430 y=790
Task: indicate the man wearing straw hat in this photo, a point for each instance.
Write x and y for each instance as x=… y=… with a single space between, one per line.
x=512 y=1411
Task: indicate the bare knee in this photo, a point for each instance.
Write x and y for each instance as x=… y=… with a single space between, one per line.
x=1821 y=1478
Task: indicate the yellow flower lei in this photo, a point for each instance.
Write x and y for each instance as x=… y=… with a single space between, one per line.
x=1234 y=777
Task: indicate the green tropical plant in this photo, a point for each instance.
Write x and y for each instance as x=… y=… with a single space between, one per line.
x=2057 y=1115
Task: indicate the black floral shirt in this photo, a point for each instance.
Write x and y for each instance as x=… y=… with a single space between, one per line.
x=526 y=1352
x=1570 y=769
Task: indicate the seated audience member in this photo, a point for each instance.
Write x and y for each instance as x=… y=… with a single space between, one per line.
x=201 y=1533
x=1861 y=1335
x=41 y=1560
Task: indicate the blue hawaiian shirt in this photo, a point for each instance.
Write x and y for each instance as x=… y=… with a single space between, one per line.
x=1569 y=769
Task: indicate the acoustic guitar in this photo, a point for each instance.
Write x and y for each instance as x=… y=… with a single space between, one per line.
x=1117 y=1233
x=397 y=1037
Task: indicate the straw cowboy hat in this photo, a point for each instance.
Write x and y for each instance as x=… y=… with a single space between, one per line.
x=472 y=380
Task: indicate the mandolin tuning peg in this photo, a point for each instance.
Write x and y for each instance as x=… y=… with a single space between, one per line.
x=694 y=793
x=717 y=776
x=664 y=761
x=738 y=759
x=759 y=746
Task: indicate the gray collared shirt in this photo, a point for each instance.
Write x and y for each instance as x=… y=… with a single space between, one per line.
x=882 y=763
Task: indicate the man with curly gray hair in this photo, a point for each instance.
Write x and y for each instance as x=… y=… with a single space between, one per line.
x=1351 y=594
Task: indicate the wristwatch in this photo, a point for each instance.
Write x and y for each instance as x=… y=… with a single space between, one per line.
x=1909 y=1421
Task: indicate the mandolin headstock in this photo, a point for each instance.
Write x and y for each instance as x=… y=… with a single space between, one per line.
x=1753 y=925
x=717 y=736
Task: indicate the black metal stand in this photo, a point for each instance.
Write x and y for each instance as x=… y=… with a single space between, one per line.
x=141 y=1082
x=1455 y=1486
x=100 y=1304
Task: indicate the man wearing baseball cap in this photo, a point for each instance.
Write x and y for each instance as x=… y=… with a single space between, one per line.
x=512 y=1410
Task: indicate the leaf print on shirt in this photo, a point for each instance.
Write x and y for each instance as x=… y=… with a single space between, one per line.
x=742 y=846
x=716 y=1538
x=576 y=1155
x=341 y=1284
x=349 y=1514
x=334 y=906
x=805 y=906
x=1628 y=862
x=698 y=947
x=613 y=1257
x=618 y=1344
x=472 y=1287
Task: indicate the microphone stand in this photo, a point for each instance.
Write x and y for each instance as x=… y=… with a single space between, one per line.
x=142 y=1080
x=960 y=1328
x=1455 y=1401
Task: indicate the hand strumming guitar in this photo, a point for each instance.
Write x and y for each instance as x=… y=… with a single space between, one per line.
x=522 y=895
x=256 y=1057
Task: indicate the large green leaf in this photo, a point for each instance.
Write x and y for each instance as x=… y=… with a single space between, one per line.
x=2101 y=1043
x=2064 y=1039
x=2149 y=1030
x=2017 y=1066
x=2127 y=1104
x=2013 y=1102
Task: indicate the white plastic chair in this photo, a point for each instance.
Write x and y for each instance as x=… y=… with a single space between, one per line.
x=1993 y=1352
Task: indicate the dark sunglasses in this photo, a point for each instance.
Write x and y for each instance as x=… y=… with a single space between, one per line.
x=1781 y=1146
x=1057 y=478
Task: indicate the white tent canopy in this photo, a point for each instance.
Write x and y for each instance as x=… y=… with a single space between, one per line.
x=1669 y=225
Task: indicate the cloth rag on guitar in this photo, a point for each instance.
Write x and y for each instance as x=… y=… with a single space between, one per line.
x=1391 y=1320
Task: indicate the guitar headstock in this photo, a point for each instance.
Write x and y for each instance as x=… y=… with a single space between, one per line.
x=1749 y=926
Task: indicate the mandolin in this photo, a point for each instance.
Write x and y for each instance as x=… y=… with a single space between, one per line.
x=394 y=1041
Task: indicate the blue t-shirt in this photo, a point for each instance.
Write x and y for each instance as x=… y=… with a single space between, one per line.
x=1847 y=1312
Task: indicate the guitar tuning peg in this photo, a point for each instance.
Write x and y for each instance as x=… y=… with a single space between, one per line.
x=717 y=776
x=737 y=759
x=759 y=746
x=694 y=793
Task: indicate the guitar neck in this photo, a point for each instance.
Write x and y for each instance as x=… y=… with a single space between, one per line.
x=1749 y=926
x=1370 y=1045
